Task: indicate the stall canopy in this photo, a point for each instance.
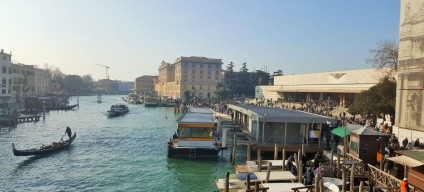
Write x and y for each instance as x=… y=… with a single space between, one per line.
x=340 y=131
x=404 y=160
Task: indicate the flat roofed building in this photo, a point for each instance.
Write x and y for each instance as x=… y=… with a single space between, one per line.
x=269 y=126
x=339 y=86
x=196 y=75
x=145 y=85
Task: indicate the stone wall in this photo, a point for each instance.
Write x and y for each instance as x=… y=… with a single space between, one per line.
x=410 y=84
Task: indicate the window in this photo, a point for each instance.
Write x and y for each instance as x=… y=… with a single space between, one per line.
x=3 y=91
x=196 y=132
x=209 y=66
x=193 y=65
x=217 y=66
x=354 y=146
x=4 y=69
x=201 y=71
x=209 y=71
x=193 y=71
x=216 y=72
x=201 y=65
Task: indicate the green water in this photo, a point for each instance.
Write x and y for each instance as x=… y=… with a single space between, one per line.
x=126 y=153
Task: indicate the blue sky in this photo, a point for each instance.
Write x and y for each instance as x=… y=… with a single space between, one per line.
x=133 y=37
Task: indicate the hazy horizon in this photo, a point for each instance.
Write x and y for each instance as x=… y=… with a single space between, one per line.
x=133 y=37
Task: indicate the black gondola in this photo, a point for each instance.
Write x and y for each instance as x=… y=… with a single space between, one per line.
x=69 y=107
x=44 y=150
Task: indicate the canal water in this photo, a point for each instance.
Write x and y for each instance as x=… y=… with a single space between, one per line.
x=126 y=153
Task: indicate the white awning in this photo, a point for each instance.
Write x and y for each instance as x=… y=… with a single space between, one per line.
x=404 y=160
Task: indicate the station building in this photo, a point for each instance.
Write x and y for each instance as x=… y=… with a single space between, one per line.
x=340 y=86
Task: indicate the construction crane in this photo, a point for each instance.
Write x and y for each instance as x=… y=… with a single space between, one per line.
x=107 y=68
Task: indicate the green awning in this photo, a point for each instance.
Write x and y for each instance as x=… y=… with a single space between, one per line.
x=340 y=131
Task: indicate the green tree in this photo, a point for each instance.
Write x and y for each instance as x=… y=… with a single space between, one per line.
x=187 y=94
x=230 y=67
x=88 y=83
x=223 y=93
x=244 y=68
x=379 y=99
x=73 y=83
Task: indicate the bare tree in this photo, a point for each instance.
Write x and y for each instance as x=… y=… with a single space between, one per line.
x=384 y=56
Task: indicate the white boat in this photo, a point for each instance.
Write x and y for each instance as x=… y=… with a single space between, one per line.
x=118 y=109
x=194 y=137
x=99 y=98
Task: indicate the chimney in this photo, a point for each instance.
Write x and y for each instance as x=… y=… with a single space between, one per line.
x=2 y=50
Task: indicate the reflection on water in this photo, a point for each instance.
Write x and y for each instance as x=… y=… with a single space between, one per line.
x=109 y=154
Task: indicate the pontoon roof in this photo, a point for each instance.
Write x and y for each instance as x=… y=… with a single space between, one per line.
x=280 y=115
x=196 y=118
x=200 y=110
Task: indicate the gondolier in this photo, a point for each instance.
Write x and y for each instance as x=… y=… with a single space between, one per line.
x=69 y=132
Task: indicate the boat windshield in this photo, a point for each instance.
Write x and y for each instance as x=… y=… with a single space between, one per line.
x=195 y=132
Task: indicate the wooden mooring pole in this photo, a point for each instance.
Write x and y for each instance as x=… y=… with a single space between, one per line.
x=233 y=154
x=343 y=181
x=275 y=151
x=352 y=177
x=259 y=160
x=227 y=182
x=316 y=184
x=300 y=171
x=248 y=152
x=284 y=159
x=338 y=166
x=299 y=155
x=268 y=172
x=361 y=186
x=321 y=185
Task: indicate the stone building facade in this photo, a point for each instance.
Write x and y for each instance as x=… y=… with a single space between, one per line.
x=145 y=85
x=197 y=76
x=28 y=80
x=5 y=77
x=409 y=117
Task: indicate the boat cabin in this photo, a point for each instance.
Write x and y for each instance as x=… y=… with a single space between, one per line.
x=196 y=130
